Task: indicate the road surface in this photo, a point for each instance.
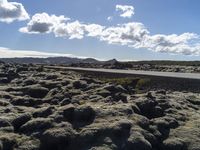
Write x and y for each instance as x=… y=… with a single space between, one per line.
x=133 y=72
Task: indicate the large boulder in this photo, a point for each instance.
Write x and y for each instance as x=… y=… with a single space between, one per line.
x=25 y=101
x=80 y=84
x=58 y=138
x=148 y=107
x=104 y=93
x=21 y=120
x=115 y=89
x=120 y=129
x=79 y=116
x=43 y=112
x=174 y=144
x=65 y=101
x=37 y=125
x=136 y=142
x=84 y=114
x=29 y=81
x=36 y=91
x=68 y=112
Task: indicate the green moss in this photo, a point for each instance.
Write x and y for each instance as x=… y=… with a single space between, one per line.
x=137 y=83
x=122 y=81
x=143 y=83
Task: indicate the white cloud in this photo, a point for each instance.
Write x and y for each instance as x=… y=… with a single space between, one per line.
x=135 y=35
x=132 y=34
x=94 y=30
x=60 y=26
x=73 y=30
x=11 y=11
x=126 y=34
x=186 y=43
x=9 y=53
x=125 y=10
x=77 y=30
x=43 y=23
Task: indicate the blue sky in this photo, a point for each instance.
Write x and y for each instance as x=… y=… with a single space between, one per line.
x=158 y=17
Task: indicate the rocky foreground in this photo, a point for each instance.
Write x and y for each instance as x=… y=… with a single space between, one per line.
x=44 y=109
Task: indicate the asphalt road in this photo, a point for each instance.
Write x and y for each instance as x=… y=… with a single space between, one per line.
x=133 y=72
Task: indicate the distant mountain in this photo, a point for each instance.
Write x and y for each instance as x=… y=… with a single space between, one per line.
x=91 y=62
x=52 y=60
x=112 y=61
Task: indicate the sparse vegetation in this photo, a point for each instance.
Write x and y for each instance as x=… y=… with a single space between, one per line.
x=142 y=83
x=139 y=84
x=123 y=81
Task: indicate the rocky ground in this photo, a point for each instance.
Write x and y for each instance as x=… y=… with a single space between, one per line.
x=144 y=67
x=44 y=109
x=168 y=68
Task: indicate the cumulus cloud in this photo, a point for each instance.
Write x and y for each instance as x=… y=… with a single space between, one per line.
x=94 y=30
x=125 y=10
x=126 y=34
x=186 y=43
x=11 y=11
x=132 y=34
x=77 y=30
x=43 y=23
x=60 y=26
x=136 y=35
x=9 y=53
x=73 y=30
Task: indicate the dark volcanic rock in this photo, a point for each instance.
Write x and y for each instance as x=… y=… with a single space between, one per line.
x=54 y=109
x=115 y=89
x=174 y=144
x=80 y=116
x=68 y=112
x=43 y=112
x=58 y=138
x=29 y=81
x=4 y=123
x=147 y=107
x=65 y=101
x=138 y=143
x=84 y=114
x=36 y=91
x=80 y=84
x=104 y=93
x=29 y=102
x=21 y=120
x=36 y=125
x=4 y=80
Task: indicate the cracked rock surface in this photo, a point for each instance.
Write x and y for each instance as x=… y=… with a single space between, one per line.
x=43 y=109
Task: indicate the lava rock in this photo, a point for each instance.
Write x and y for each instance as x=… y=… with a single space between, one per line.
x=21 y=120
x=36 y=125
x=36 y=91
x=57 y=138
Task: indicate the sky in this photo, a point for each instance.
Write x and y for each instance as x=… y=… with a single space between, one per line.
x=102 y=29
